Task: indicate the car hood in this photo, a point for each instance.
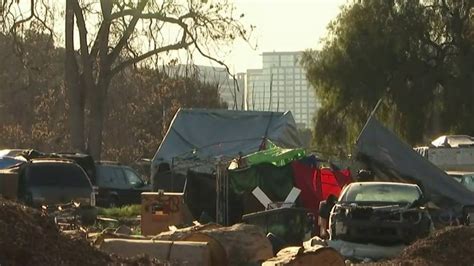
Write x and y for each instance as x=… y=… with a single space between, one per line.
x=376 y=205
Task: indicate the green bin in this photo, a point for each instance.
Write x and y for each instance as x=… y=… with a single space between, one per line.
x=289 y=224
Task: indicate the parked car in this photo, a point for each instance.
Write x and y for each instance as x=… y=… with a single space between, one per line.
x=465 y=178
x=54 y=181
x=7 y=161
x=453 y=141
x=11 y=152
x=118 y=185
x=381 y=213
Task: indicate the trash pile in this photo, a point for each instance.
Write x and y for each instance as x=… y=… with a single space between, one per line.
x=27 y=237
x=448 y=246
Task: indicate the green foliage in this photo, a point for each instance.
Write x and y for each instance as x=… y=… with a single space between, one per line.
x=129 y=211
x=105 y=38
x=405 y=51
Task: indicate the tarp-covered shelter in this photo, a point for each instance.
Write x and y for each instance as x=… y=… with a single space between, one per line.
x=276 y=173
x=198 y=139
x=390 y=157
x=204 y=134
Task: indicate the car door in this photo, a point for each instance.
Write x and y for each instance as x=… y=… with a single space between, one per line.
x=136 y=185
x=112 y=185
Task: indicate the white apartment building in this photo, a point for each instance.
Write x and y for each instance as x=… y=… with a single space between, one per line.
x=281 y=85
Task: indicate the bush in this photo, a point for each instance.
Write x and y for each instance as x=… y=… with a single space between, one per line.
x=121 y=212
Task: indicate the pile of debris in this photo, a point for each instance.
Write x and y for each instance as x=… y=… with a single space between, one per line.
x=449 y=246
x=27 y=237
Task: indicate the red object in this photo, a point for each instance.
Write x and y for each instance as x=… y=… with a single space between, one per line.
x=331 y=182
x=317 y=184
x=304 y=176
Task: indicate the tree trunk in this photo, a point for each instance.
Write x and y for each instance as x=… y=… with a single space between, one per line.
x=96 y=119
x=74 y=90
x=168 y=252
x=98 y=95
x=241 y=243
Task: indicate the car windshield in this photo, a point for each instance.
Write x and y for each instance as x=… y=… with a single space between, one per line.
x=396 y=193
x=468 y=182
x=64 y=175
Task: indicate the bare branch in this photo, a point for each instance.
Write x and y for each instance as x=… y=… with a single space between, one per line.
x=128 y=31
x=194 y=40
x=159 y=16
x=176 y=46
x=87 y=75
x=95 y=47
x=81 y=25
x=32 y=14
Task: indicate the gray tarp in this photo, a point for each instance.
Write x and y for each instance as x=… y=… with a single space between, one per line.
x=211 y=133
x=379 y=145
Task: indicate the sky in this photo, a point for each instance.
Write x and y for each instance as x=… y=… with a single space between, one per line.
x=281 y=25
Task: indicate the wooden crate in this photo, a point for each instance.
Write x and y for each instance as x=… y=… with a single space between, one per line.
x=161 y=210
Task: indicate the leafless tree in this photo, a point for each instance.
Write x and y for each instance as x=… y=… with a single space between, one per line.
x=114 y=35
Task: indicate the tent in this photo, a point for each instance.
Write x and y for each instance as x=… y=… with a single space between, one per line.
x=200 y=135
x=387 y=155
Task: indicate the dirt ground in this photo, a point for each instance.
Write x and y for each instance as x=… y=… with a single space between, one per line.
x=448 y=246
x=29 y=238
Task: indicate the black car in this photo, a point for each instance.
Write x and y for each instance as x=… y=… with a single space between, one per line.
x=118 y=185
x=49 y=182
x=383 y=213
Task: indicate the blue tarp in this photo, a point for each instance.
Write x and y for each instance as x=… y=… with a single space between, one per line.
x=6 y=162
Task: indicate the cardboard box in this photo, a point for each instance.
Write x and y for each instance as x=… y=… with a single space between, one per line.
x=161 y=210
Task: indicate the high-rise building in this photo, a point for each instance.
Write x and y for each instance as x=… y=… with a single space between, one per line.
x=281 y=85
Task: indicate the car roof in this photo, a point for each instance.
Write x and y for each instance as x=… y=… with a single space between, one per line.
x=10 y=152
x=51 y=160
x=382 y=183
x=459 y=173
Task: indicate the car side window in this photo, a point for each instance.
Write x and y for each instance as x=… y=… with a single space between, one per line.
x=111 y=177
x=132 y=177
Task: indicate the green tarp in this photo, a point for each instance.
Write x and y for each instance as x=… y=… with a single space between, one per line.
x=274 y=155
x=269 y=169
